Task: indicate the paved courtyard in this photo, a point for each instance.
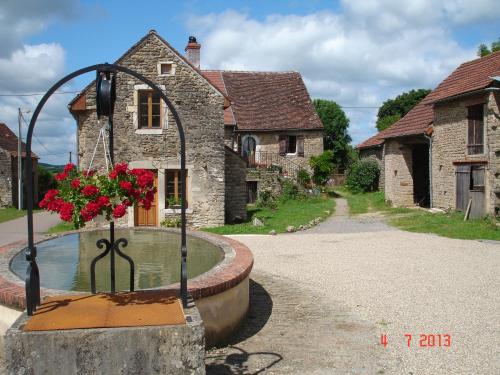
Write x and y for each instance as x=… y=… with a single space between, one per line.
x=332 y=292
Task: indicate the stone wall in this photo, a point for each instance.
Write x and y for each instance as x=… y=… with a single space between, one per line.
x=200 y=108
x=229 y=137
x=398 y=173
x=450 y=146
x=376 y=153
x=235 y=184
x=266 y=180
x=313 y=144
x=5 y=179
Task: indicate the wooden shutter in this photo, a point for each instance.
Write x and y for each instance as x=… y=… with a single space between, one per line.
x=462 y=187
x=300 y=145
x=282 y=144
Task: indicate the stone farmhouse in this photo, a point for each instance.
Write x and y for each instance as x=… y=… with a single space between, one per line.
x=8 y=168
x=230 y=120
x=445 y=152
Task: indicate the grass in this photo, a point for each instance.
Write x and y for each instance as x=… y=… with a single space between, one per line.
x=449 y=225
x=10 y=213
x=291 y=212
x=61 y=227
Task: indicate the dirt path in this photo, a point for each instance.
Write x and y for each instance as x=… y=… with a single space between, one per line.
x=337 y=288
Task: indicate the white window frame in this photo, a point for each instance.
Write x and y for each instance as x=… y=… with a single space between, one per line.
x=172 y=71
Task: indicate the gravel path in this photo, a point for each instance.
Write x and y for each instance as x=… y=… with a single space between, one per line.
x=383 y=281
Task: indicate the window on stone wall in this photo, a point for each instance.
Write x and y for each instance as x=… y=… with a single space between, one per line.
x=291 y=144
x=173 y=187
x=475 y=137
x=149 y=109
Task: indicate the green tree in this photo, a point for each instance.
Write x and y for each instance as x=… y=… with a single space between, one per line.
x=483 y=49
x=46 y=181
x=322 y=166
x=393 y=109
x=336 y=126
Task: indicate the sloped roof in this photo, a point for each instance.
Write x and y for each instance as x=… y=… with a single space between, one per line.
x=8 y=142
x=467 y=78
x=215 y=76
x=268 y=100
x=132 y=50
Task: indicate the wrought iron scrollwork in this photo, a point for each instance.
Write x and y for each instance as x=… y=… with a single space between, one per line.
x=111 y=249
x=32 y=282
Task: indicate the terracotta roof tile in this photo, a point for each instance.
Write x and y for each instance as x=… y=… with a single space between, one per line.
x=8 y=141
x=270 y=101
x=215 y=77
x=468 y=77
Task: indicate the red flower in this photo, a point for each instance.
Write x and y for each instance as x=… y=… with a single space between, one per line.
x=42 y=203
x=69 y=167
x=127 y=202
x=121 y=168
x=88 y=173
x=55 y=205
x=87 y=216
x=150 y=195
x=103 y=200
x=61 y=176
x=146 y=204
x=75 y=183
x=90 y=190
x=146 y=179
x=113 y=175
x=136 y=172
x=93 y=208
x=126 y=185
x=66 y=211
x=51 y=194
x=119 y=211
x=134 y=193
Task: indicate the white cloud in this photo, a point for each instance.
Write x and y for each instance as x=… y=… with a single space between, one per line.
x=371 y=51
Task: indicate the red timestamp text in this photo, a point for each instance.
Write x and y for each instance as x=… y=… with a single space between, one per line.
x=423 y=340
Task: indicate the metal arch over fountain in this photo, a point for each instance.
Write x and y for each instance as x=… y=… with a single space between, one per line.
x=105 y=88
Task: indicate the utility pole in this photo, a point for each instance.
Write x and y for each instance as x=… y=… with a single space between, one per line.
x=19 y=164
x=70 y=156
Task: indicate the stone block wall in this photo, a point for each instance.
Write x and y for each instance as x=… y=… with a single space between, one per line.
x=313 y=145
x=5 y=179
x=200 y=108
x=450 y=146
x=398 y=173
x=376 y=153
x=236 y=189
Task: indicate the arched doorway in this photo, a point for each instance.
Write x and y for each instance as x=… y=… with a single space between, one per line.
x=249 y=146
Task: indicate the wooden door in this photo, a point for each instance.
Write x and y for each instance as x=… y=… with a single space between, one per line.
x=463 y=186
x=148 y=218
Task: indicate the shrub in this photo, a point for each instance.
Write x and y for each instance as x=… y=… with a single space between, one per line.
x=290 y=191
x=303 y=177
x=171 y=222
x=363 y=176
x=322 y=166
x=266 y=199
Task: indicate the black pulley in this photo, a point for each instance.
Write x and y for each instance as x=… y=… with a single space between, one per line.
x=105 y=93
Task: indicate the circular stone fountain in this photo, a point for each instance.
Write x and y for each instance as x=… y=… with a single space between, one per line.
x=218 y=271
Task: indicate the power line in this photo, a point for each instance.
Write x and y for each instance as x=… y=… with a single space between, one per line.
x=41 y=93
x=40 y=142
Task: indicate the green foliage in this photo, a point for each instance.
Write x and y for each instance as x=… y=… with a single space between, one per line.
x=363 y=176
x=336 y=126
x=46 y=181
x=400 y=105
x=290 y=191
x=266 y=199
x=323 y=166
x=303 y=177
x=483 y=49
x=171 y=222
x=387 y=121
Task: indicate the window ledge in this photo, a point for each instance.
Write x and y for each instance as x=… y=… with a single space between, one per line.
x=148 y=131
x=177 y=210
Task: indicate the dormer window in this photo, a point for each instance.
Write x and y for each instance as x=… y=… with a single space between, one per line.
x=166 y=68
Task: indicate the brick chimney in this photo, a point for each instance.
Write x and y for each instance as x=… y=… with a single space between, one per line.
x=193 y=52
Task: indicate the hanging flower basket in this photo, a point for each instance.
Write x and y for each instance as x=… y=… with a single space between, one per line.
x=82 y=196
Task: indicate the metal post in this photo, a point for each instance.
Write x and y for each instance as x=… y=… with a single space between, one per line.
x=112 y=223
x=19 y=164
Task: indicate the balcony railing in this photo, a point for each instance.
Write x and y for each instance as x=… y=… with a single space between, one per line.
x=272 y=161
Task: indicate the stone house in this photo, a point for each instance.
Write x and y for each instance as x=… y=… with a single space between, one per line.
x=146 y=135
x=445 y=152
x=8 y=168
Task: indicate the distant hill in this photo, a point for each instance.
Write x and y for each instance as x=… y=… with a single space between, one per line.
x=51 y=167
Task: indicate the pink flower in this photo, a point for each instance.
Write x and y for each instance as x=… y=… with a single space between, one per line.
x=90 y=190
x=75 y=183
x=119 y=211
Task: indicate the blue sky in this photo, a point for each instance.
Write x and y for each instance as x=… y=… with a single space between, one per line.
x=358 y=53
